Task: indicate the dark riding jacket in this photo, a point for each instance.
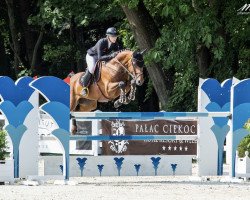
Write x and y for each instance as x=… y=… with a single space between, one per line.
x=101 y=51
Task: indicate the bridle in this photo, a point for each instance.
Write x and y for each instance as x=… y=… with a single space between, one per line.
x=136 y=75
x=133 y=75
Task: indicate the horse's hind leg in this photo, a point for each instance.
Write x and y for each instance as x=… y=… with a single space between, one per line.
x=73 y=105
x=86 y=105
x=73 y=102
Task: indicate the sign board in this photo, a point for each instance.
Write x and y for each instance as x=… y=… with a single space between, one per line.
x=149 y=147
x=84 y=128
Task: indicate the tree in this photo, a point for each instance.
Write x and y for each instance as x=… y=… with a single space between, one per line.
x=185 y=40
x=3 y=58
x=146 y=33
x=199 y=39
x=25 y=42
x=3 y=145
x=244 y=146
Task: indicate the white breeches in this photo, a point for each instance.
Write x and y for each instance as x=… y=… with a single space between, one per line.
x=90 y=63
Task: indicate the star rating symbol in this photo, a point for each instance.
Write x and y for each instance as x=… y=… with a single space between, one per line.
x=180 y=148
x=163 y=148
x=175 y=148
x=169 y=148
x=186 y=148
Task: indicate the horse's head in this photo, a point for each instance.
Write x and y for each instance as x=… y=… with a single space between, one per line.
x=137 y=67
x=133 y=63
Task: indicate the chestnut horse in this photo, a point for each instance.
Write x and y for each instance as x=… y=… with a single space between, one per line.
x=118 y=76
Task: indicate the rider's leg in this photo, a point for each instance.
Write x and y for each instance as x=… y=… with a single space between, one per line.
x=85 y=82
x=88 y=74
x=91 y=61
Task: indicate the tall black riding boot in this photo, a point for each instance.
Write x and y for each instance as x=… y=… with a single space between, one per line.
x=85 y=81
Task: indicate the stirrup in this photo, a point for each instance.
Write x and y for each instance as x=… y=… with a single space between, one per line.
x=85 y=91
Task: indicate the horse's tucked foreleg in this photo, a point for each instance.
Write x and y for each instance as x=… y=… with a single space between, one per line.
x=122 y=99
x=131 y=96
x=117 y=103
x=73 y=100
x=122 y=86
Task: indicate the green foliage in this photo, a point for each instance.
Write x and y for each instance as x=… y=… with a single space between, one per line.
x=186 y=25
x=245 y=143
x=129 y=3
x=3 y=145
x=57 y=53
x=25 y=72
x=5 y=35
x=127 y=36
x=149 y=90
x=244 y=146
x=247 y=125
x=72 y=26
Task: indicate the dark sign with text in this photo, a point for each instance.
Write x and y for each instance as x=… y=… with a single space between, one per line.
x=149 y=147
x=83 y=128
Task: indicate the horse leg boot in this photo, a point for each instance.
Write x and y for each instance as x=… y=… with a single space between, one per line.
x=132 y=90
x=85 y=81
x=122 y=98
x=122 y=86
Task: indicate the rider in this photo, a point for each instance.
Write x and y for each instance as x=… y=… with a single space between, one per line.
x=101 y=51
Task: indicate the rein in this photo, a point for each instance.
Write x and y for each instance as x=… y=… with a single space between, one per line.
x=132 y=75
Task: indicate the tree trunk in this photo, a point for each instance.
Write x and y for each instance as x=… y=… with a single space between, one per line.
x=4 y=70
x=81 y=62
x=14 y=34
x=203 y=60
x=151 y=103
x=146 y=33
x=72 y=30
x=29 y=36
x=35 y=61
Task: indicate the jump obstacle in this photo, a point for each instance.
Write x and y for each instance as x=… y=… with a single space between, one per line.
x=222 y=111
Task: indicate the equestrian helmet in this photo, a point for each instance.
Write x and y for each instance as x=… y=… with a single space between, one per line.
x=111 y=31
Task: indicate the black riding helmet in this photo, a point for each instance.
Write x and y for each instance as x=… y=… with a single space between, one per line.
x=111 y=31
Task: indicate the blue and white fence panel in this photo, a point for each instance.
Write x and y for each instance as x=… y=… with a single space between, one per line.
x=146 y=165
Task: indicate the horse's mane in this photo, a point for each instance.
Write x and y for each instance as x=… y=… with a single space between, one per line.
x=122 y=50
x=135 y=54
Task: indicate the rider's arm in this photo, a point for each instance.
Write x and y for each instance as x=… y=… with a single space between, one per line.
x=107 y=57
x=100 y=46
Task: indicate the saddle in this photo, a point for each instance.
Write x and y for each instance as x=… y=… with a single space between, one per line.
x=98 y=69
x=97 y=74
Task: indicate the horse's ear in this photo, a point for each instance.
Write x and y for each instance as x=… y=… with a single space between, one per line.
x=143 y=51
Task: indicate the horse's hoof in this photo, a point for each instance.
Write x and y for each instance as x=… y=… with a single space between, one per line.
x=132 y=97
x=122 y=99
x=117 y=104
x=127 y=101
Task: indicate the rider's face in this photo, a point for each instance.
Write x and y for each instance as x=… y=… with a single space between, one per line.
x=113 y=39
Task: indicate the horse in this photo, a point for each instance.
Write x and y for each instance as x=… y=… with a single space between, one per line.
x=112 y=79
